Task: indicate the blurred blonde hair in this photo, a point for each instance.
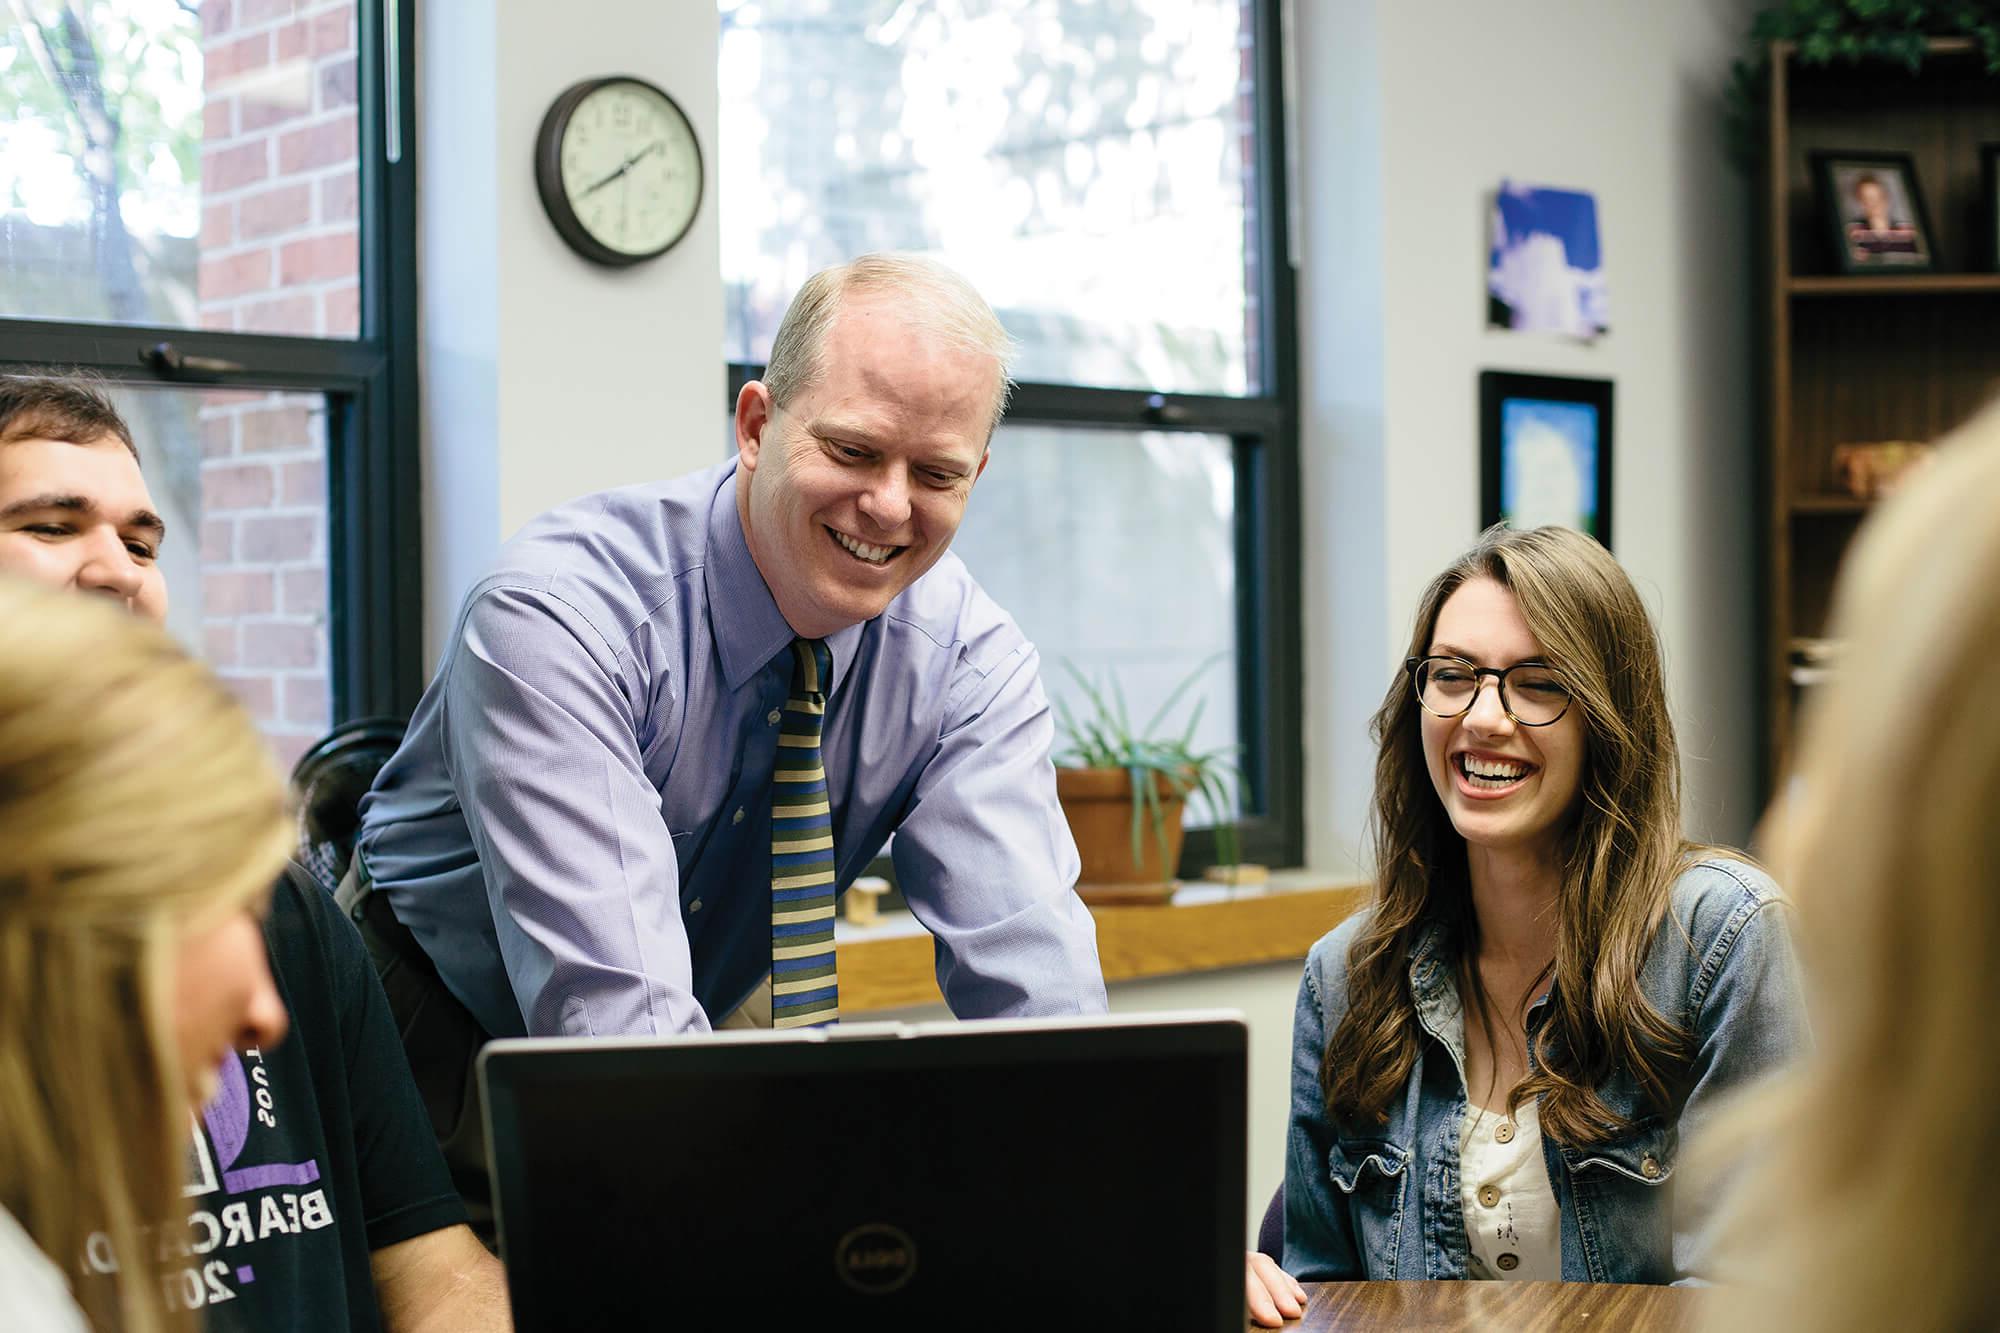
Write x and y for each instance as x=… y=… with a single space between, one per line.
x=137 y=802
x=1866 y=1206
x=937 y=299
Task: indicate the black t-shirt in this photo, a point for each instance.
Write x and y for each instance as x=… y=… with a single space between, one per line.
x=314 y=1152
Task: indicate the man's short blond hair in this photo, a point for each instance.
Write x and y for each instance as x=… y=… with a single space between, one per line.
x=939 y=301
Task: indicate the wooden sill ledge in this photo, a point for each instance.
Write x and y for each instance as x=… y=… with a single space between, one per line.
x=1205 y=927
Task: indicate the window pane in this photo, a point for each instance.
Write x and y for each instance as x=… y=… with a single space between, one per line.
x=240 y=478
x=1116 y=553
x=168 y=162
x=1085 y=165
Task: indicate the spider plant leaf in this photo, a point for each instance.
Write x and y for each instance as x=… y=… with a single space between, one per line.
x=1123 y=719
x=1142 y=792
x=1194 y=720
x=1174 y=695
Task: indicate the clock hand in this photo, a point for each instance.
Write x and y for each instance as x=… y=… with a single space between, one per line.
x=622 y=168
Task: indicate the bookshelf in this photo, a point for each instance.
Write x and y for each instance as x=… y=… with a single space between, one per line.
x=1861 y=357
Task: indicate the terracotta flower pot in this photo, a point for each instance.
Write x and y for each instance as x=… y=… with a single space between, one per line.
x=1098 y=804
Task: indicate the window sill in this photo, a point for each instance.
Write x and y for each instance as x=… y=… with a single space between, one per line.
x=890 y=965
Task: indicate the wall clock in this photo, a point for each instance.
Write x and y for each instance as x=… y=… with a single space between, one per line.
x=619 y=170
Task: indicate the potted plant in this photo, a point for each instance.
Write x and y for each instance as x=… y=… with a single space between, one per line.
x=1124 y=792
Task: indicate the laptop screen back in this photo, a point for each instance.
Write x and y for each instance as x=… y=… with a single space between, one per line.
x=967 y=1174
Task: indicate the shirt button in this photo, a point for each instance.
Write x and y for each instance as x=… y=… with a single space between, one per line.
x=1508 y=1262
x=1504 y=1132
x=1649 y=1167
x=694 y=907
x=1489 y=1196
x=773 y=716
x=737 y=818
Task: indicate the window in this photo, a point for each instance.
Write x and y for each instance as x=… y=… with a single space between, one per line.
x=1110 y=177
x=213 y=205
x=1157 y=600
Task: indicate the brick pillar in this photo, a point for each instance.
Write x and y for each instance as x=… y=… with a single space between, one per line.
x=280 y=253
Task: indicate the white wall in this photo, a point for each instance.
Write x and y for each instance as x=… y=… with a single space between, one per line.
x=1408 y=116
x=546 y=377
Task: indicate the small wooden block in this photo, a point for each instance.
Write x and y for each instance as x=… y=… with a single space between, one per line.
x=862 y=903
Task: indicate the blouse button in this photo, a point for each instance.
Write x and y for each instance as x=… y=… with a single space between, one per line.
x=1504 y=1132
x=1489 y=1196
x=737 y=818
x=773 y=716
x=1649 y=1167
x=1508 y=1262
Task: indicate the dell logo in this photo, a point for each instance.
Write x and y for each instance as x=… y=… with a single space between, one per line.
x=876 y=1258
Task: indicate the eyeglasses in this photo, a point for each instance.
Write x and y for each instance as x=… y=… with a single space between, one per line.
x=1532 y=694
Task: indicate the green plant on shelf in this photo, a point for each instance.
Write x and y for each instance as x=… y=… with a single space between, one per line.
x=1829 y=32
x=1103 y=737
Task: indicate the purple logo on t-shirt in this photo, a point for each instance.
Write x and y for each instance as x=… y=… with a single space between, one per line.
x=228 y=1119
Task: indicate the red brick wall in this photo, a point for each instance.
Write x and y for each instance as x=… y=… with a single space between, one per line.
x=280 y=253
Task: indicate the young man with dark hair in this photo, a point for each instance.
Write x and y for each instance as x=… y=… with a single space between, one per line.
x=74 y=510
x=319 y=1199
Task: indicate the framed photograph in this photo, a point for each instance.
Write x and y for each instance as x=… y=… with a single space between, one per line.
x=1545 y=452
x=1873 y=212
x=1989 y=201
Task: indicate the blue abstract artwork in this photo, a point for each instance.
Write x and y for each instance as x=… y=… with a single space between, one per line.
x=1545 y=272
x=1549 y=461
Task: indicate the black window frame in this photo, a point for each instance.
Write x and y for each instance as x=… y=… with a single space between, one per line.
x=375 y=608
x=1263 y=428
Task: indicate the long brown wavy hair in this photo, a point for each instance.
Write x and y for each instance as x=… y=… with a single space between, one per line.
x=137 y=802
x=1619 y=854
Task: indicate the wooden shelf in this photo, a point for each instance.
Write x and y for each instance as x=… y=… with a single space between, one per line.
x=1937 y=46
x=1860 y=356
x=1204 y=928
x=1830 y=504
x=1889 y=284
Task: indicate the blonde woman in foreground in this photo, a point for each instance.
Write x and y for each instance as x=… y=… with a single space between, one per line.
x=1870 y=1199
x=141 y=826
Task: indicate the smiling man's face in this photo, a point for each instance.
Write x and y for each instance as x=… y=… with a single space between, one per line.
x=857 y=486
x=80 y=516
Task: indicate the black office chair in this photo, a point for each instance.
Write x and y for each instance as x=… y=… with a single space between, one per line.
x=328 y=783
x=1271 y=1231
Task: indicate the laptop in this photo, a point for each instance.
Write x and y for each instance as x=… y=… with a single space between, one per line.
x=986 y=1174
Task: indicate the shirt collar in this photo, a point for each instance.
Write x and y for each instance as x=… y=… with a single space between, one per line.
x=743 y=618
x=1429 y=968
x=1434 y=974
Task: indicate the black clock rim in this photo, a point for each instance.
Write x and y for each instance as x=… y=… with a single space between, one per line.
x=548 y=173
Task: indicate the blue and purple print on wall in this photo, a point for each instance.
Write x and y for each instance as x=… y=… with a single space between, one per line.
x=1546 y=269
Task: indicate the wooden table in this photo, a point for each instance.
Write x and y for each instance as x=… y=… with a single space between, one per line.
x=1524 y=1306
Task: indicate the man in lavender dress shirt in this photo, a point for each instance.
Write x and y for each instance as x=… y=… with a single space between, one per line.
x=575 y=832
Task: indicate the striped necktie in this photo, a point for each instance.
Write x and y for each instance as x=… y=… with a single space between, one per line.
x=805 y=989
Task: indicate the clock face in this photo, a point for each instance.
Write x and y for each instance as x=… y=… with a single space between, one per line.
x=630 y=169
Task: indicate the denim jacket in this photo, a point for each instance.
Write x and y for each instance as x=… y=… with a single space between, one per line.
x=1385 y=1204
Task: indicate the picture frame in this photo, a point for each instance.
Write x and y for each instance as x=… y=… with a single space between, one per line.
x=1872 y=212
x=1545 y=452
x=1989 y=202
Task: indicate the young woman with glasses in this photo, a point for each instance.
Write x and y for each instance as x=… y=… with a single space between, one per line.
x=1496 y=1061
